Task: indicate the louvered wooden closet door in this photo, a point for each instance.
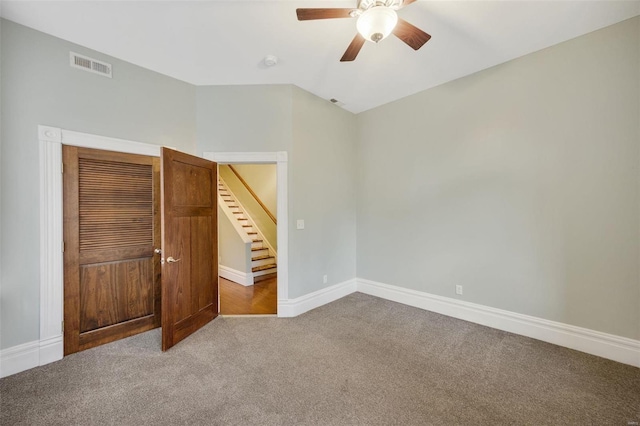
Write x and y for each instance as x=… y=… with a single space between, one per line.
x=111 y=228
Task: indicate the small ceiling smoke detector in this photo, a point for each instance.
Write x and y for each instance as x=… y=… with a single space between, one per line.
x=336 y=102
x=270 y=60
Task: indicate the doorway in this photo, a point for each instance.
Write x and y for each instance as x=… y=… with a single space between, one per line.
x=248 y=238
x=279 y=158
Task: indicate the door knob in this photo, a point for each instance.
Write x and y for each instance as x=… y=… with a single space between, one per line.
x=158 y=251
x=170 y=259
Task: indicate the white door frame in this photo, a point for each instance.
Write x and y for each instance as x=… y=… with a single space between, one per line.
x=280 y=158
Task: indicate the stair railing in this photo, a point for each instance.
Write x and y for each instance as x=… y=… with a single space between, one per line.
x=253 y=194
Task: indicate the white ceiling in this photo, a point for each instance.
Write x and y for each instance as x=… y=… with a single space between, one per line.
x=223 y=42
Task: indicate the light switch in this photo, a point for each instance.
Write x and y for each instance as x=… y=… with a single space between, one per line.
x=300 y=224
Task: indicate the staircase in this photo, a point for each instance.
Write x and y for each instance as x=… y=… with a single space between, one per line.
x=263 y=259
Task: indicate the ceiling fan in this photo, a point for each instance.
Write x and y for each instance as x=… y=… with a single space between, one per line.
x=376 y=20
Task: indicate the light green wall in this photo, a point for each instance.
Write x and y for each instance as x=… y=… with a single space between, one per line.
x=39 y=87
x=322 y=165
x=262 y=179
x=520 y=182
x=320 y=140
x=1 y=179
x=244 y=118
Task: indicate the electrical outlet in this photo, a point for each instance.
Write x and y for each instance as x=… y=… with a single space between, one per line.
x=458 y=289
x=300 y=224
x=324 y=279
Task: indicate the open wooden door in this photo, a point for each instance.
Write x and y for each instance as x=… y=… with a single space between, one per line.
x=189 y=245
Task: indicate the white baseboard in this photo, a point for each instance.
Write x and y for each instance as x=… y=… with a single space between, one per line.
x=621 y=349
x=30 y=355
x=235 y=275
x=616 y=348
x=294 y=307
x=51 y=350
x=19 y=358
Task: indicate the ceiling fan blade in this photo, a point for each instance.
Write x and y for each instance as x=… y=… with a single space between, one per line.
x=322 y=13
x=411 y=35
x=353 y=49
x=406 y=3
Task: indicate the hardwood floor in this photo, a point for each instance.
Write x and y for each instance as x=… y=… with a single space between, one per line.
x=260 y=298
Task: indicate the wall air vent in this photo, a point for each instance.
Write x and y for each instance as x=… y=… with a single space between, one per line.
x=89 y=64
x=336 y=102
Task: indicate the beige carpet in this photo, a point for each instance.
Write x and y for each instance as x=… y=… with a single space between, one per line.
x=357 y=361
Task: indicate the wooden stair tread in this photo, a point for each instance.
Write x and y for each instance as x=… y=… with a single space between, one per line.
x=258 y=248
x=265 y=256
x=263 y=267
x=256 y=241
x=252 y=233
x=247 y=226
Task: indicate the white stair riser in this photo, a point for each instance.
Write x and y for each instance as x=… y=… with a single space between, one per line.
x=265 y=272
x=256 y=245
x=263 y=252
x=261 y=262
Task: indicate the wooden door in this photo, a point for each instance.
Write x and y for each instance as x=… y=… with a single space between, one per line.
x=111 y=227
x=189 y=245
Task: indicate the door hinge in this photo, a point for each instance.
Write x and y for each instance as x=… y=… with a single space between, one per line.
x=63 y=246
x=62 y=325
x=62 y=168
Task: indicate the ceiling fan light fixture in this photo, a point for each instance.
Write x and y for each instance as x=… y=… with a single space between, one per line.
x=377 y=23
